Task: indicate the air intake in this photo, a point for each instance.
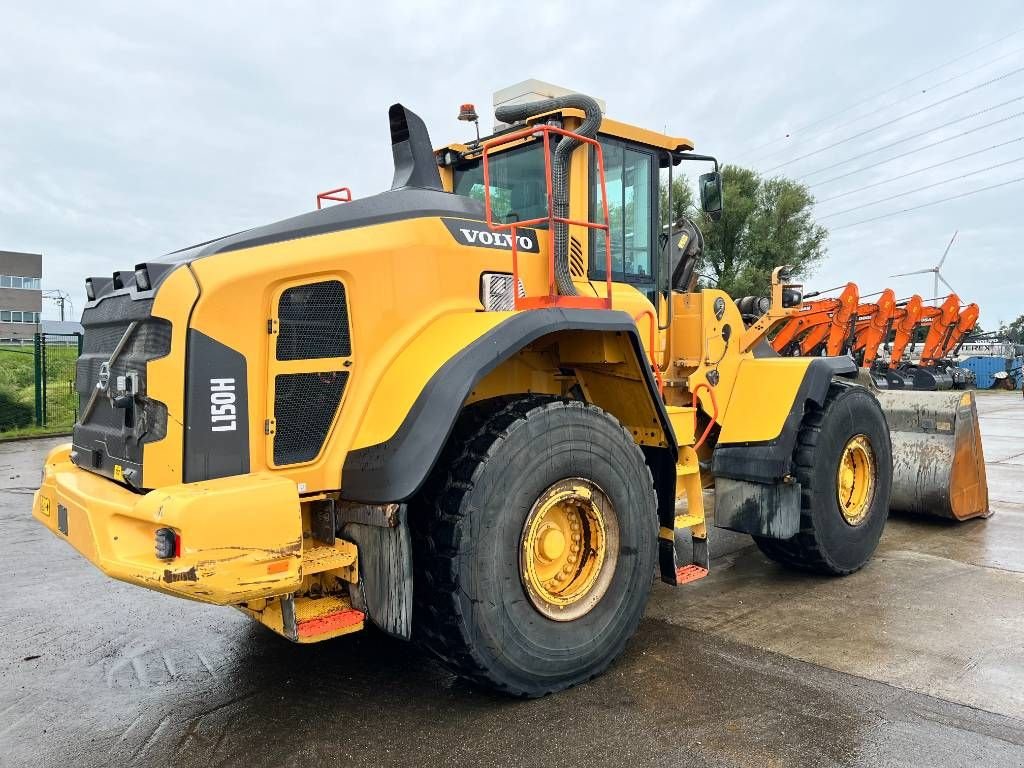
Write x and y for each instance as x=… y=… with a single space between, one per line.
x=313 y=322
x=304 y=408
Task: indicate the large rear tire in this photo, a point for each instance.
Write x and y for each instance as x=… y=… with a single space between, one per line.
x=533 y=545
x=843 y=461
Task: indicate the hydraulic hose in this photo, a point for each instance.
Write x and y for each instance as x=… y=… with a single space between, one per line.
x=559 y=168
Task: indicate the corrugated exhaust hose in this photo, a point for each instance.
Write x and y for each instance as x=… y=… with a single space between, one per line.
x=559 y=168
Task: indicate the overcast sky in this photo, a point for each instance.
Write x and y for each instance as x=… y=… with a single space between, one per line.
x=131 y=129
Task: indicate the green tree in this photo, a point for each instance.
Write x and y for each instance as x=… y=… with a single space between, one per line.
x=682 y=199
x=767 y=222
x=1015 y=331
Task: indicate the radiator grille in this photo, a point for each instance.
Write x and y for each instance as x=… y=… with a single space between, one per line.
x=313 y=322
x=304 y=407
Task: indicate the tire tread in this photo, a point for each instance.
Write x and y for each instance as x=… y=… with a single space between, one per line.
x=803 y=551
x=436 y=517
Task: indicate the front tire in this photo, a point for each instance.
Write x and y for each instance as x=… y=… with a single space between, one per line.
x=843 y=461
x=533 y=545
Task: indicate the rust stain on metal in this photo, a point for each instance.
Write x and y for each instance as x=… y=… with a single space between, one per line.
x=190 y=575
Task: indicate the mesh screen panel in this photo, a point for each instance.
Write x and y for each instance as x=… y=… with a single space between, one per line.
x=313 y=322
x=304 y=407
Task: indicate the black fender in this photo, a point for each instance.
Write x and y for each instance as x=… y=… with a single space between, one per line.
x=394 y=470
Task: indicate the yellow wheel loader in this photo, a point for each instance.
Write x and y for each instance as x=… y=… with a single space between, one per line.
x=474 y=410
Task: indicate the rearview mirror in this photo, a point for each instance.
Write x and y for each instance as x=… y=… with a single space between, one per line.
x=711 y=194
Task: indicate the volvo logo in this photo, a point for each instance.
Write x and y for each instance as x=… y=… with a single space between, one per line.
x=104 y=381
x=478 y=234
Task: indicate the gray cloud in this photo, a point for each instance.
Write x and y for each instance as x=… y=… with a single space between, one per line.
x=129 y=130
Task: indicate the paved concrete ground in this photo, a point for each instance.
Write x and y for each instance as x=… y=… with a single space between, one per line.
x=918 y=660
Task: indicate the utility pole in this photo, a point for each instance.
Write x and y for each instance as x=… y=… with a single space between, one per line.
x=59 y=298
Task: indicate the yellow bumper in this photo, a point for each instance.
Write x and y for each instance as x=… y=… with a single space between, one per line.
x=240 y=537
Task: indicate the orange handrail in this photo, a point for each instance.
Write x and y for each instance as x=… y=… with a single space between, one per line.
x=553 y=298
x=339 y=195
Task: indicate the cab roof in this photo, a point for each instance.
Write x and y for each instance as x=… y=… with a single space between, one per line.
x=609 y=127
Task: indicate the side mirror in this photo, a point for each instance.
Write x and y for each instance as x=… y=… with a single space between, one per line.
x=711 y=194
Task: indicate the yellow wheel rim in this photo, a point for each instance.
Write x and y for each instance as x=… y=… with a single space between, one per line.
x=855 y=484
x=568 y=549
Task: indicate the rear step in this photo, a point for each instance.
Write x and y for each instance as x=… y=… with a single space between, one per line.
x=305 y=619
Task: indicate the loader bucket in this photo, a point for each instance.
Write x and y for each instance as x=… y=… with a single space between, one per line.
x=938 y=462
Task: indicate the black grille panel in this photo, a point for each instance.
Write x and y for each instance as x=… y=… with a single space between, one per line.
x=313 y=322
x=304 y=407
x=115 y=435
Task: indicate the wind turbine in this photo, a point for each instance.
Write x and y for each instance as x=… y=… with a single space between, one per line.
x=935 y=271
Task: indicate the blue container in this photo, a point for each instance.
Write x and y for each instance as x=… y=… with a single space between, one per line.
x=985 y=367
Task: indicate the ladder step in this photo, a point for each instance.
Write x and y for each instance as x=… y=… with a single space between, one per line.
x=327 y=557
x=688 y=573
x=688 y=521
x=325 y=617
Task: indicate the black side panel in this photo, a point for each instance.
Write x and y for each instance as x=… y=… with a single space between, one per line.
x=111 y=439
x=767 y=462
x=216 y=445
x=393 y=471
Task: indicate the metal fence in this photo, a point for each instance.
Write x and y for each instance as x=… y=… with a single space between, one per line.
x=37 y=384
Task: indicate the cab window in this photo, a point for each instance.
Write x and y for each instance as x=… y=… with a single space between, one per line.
x=518 y=184
x=629 y=179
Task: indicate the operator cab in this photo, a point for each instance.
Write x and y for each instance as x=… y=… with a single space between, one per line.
x=646 y=251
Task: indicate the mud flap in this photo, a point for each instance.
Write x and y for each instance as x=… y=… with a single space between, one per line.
x=760 y=509
x=384 y=591
x=938 y=461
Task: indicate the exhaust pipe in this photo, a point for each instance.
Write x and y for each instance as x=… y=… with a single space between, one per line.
x=515 y=113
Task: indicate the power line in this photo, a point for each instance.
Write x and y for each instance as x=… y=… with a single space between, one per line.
x=913 y=136
x=919 y=170
x=897 y=119
x=929 y=204
x=886 y=91
x=921 y=189
x=888 y=104
x=909 y=151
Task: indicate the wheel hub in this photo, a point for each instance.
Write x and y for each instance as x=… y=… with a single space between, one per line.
x=855 y=482
x=568 y=549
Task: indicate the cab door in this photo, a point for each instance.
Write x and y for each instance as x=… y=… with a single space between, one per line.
x=631 y=180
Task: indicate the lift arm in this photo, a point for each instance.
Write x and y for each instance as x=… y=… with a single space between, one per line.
x=873 y=327
x=905 y=321
x=943 y=320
